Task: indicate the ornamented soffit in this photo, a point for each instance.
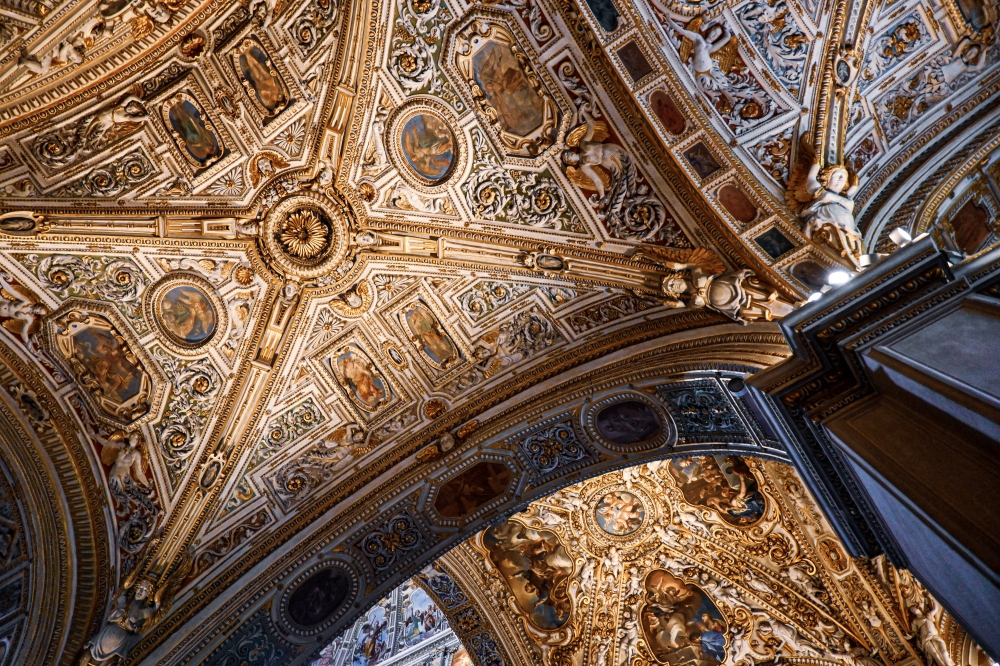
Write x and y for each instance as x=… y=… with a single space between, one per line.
x=279 y=278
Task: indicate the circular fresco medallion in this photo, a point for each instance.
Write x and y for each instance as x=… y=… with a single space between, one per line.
x=187 y=314
x=428 y=146
x=619 y=513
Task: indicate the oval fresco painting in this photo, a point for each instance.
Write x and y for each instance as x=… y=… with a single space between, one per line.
x=723 y=483
x=680 y=622
x=187 y=315
x=260 y=78
x=426 y=331
x=519 y=108
x=628 y=422
x=192 y=131
x=428 y=146
x=318 y=597
x=536 y=567
x=357 y=373
x=472 y=489
x=619 y=513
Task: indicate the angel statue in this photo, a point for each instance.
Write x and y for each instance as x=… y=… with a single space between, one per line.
x=711 y=56
x=594 y=165
x=136 y=607
x=124 y=453
x=699 y=279
x=823 y=199
x=113 y=641
x=20 y=310
x=929 y=637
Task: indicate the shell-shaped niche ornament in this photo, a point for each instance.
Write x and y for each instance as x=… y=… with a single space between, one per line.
x=305 y=235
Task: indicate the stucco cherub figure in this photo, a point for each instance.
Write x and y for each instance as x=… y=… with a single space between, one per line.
x=123 y=451
x=711 y=56
x=593 y=164
x=699 y=279
x=823 y=198
x=113 y=641
x=138 y=606
x=928 y=636
x=71 y=50
x=21 y=310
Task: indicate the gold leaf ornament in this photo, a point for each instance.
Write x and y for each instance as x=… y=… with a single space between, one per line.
x=304 y=235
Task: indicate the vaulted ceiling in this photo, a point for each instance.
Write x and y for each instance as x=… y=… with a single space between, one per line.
x=277 y=277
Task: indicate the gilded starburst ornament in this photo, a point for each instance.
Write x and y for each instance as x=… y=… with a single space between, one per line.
x=304 y=235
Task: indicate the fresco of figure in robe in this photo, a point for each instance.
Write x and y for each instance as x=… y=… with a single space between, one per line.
x=358 y=374
x=536 y=567
x=499 y=75
x=261 y=78
x=192 y=132
x=436 y=345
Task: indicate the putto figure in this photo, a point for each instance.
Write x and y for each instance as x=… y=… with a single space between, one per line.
x=711 y=56
x=699 y=279
x=823 y=198
x=589 y=151
x=127 y=619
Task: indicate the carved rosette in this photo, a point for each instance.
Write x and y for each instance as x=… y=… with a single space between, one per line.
x=305 y=235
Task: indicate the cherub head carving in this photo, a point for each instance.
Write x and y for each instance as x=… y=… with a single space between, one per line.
x=834 y=178
x=143 y=589
x=571 y=158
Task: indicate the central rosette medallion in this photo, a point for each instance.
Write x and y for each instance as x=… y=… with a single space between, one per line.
x=306 y=235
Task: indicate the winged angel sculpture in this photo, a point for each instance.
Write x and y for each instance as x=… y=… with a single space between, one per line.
x=823 y=199
x=711 y=56
x=137 y=605
x=20 y=310
x=699 y=279
x=715 y=65
x=594 y=164
x=590 y=152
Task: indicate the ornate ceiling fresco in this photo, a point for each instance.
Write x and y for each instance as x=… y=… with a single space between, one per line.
x=282 y=282
x=696 y=560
